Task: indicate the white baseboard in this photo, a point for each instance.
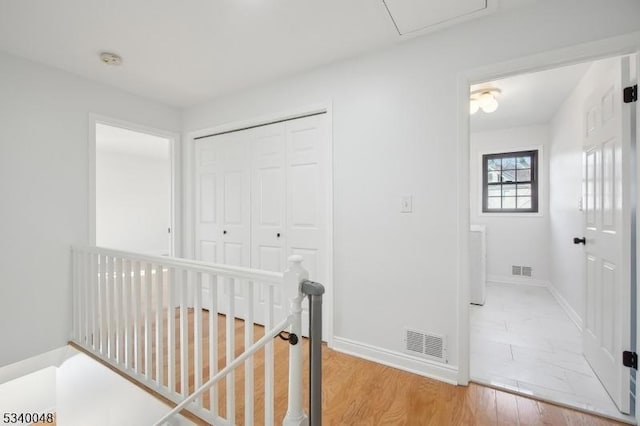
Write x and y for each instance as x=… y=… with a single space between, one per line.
x=411 y=364
x=573 y=315
x=507 y=279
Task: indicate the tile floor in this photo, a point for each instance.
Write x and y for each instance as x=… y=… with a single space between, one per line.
x=522 y=340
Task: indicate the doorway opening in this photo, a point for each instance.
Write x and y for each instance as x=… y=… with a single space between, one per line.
x=133 y=190
x=550 y=181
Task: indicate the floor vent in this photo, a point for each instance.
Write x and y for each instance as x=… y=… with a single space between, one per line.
x=516 y=270
x=426 y=345
x=526 y=271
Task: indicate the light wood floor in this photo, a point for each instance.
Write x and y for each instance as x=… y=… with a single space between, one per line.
x=360 y=392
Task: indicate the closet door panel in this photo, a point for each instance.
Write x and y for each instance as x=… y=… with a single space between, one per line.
x=268 y=206
x=307 y=193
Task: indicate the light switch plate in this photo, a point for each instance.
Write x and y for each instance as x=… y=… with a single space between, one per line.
x=406 y=204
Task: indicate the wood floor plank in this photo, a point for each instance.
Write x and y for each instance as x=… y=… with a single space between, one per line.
x=506 y=409
x=528 y=412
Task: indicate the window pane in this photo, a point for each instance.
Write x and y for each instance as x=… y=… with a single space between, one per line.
x=493 y=202
x=524 y=162
x=509 y=163
x=494 y=177
x=493 y=164
x=508 y=190
x=524 y=202
x=509 y=203
x=495 y=191
x=508 y=175
x=524 y=175
x=524 y=189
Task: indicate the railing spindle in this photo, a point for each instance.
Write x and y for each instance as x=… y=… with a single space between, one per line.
x=213 y=342
x=109 y=306
x=93 y=302
x=159 y=290
x=171 y=331
x=231 y=335
x=103 y=304
x=75 y=321
x=268 y=361
x=137 y=300
x=147 y=320
x=184 y=336
x=83 y=287
x=248 y=365
x=197 y=333
x=126 y=294
x=117 y=305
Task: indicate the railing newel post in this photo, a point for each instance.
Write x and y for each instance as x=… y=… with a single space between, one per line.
x=293 y=278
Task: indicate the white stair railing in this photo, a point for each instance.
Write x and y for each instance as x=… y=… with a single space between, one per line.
x=144 y=316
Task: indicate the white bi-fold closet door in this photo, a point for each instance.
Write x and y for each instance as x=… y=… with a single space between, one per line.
x=262 y=195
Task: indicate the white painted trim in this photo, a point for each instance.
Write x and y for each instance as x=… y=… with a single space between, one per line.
x=573 y=315
x=609 y=47
x=516 y=280
x=188 y=152
x=422 y=367
x=176 y=192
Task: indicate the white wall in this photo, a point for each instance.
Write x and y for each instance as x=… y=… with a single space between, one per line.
x=44 y=191
x=567 y=221
x=395 y=124
x=518 y=238
x=133 y=201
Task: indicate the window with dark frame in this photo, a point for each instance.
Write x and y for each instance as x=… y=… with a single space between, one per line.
x=510 y=182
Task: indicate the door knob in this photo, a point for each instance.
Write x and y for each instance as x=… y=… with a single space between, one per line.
x=278 y=235
x=224 y=232
x=577 y=240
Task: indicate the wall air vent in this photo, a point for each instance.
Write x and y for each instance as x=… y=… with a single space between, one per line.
x=526 y=271
x=516 y=270
x=426 y=345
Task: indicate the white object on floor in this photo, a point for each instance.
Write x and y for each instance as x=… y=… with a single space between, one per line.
x=523 y=341
x=477 y=264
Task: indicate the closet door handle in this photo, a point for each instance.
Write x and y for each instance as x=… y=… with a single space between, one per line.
x=278 y=235
x=224 y=232
x=577 y=240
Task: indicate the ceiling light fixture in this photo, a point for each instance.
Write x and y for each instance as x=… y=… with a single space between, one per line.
x=110 y=58
x=484 y=99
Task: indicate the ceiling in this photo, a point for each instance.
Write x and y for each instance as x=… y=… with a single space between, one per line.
x=528 y=99
x=123 y=141
x=182 y=53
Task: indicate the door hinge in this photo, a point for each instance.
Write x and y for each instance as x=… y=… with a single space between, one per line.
x=630 y=94
x=630 y=359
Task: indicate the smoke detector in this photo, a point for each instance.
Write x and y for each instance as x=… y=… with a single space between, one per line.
x=110 y=58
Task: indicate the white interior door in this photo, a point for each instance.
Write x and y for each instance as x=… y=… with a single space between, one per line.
x=223 y=228
x=607 y=230
x=307 y=189
x=268 y=201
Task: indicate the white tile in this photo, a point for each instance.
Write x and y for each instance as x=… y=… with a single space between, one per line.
x=522 y=340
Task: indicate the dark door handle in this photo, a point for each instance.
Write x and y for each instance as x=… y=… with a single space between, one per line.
x=224 y=232
x=278 y=235
x=577 y=240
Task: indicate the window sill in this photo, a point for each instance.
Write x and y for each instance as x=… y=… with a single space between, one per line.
x=523 y=215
